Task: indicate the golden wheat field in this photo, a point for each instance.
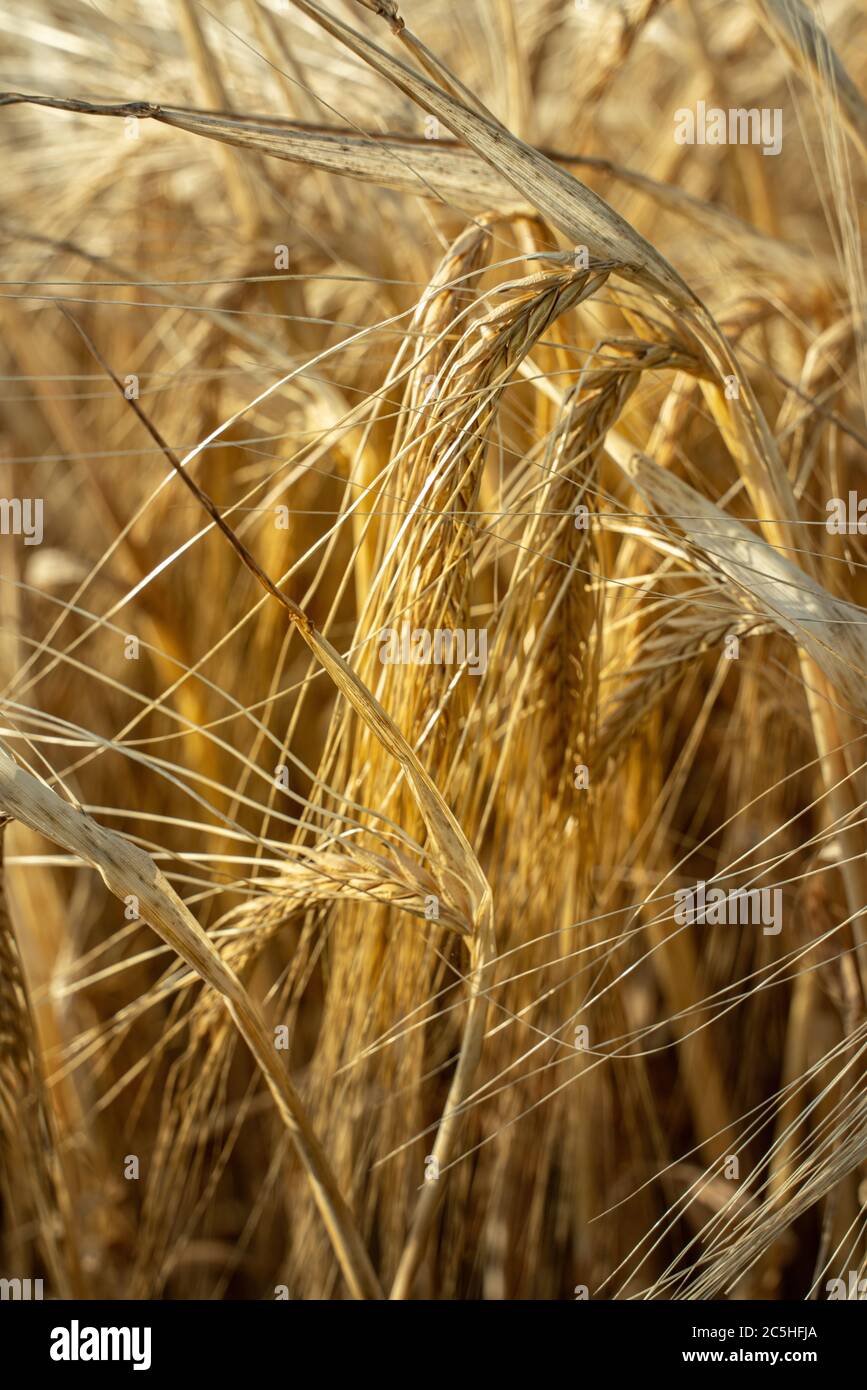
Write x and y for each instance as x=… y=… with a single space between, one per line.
x=432 y=753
